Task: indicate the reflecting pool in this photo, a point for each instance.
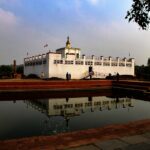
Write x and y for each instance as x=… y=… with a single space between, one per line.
x=24 y=118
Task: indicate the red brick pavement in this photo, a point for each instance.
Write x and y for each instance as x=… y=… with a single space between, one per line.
x=77 y=138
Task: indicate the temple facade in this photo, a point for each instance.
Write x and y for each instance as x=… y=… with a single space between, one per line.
x=69 y=60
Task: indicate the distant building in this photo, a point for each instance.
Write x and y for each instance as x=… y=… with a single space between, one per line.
x=69 y=59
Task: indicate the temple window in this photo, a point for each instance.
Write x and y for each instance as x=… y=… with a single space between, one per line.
x=58 y=61
x=106 y=64
x=98 y=63
x=121 y=64
x=88 y=63
x=79 y=62
x=114 y=64
x=68 y=62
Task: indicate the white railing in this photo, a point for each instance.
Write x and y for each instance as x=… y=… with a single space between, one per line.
x=93 y=61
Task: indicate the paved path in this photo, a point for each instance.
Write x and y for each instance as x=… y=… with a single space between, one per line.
x=130 y=136
x=136 y=142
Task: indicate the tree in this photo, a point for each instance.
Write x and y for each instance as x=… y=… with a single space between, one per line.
x=19 y=69
x=142 y=72
x=148 y=62
x=5 y=70
x=139 y=13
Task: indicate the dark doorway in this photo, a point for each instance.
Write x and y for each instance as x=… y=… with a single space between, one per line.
x=90 y=69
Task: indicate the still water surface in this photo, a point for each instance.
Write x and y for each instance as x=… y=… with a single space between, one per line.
x=26 y=118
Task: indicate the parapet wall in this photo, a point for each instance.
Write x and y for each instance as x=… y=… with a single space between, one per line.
x=54 y=65
x=100 y=61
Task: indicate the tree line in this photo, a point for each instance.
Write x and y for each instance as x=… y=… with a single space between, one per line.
x=143 y=72
x=6 y=71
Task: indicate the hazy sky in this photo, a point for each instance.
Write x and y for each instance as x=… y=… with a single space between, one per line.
x=96 y=26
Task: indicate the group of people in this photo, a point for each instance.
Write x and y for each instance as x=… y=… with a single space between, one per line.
x=68 y=76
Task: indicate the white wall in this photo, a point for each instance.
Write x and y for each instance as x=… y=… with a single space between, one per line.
x=81 y=71
x=39 y=70
x=77 y=71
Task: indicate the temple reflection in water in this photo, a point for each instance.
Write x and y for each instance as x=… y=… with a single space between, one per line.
x=65 y=114
x=69 y=107
x=38 y=117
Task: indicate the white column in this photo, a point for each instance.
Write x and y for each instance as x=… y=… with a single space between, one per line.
x=133 y=65
x=118 y=59
x=125 y=61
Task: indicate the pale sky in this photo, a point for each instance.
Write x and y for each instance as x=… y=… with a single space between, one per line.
x=97 y=27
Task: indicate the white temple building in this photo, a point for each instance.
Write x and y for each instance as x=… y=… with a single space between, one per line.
x=69 y=60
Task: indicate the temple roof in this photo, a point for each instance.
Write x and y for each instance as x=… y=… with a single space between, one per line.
x=68 y=44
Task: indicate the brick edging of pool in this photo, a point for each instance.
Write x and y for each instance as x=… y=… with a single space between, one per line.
x=77 y=138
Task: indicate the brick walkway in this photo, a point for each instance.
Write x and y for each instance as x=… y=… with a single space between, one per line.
x=130 y=136
x=136 y=142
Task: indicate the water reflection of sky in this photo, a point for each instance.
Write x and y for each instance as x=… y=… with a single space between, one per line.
x=51 y=116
